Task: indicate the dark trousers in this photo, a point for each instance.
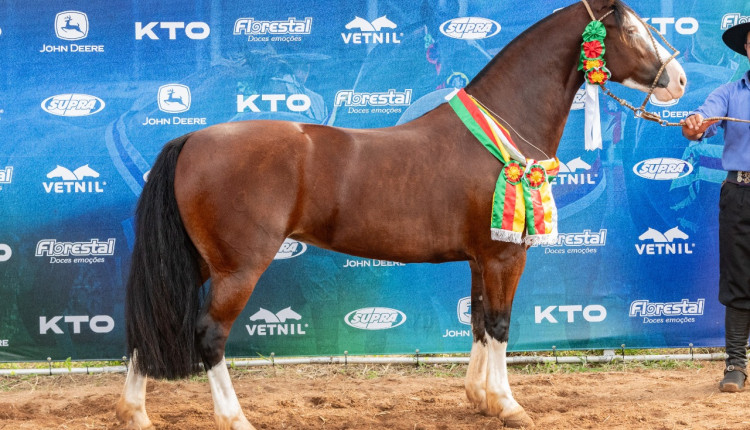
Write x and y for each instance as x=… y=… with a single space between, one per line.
x=734 y=268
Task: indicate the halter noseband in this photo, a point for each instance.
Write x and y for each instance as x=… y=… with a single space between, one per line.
x=641 y=112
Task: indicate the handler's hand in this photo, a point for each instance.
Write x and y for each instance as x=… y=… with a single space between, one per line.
x=694 y=126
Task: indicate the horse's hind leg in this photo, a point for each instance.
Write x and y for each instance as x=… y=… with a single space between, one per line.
x=500 y=272
x=131 y=408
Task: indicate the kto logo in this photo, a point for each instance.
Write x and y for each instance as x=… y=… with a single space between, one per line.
x=664 y=244
x=590 y=313
x=295 y=102
x=193 y=30
x=663 y=169
x=732 y=19
x=275 y=323
x=73 y=182
x=97 y=323
x=72 y=105
x=174 y=98
x=470 y=28
x=71 y=25
x=5 y=252
x=290 y=249
x=371 y=32
x=575 y=172
x=375 y=318
x=685 y=25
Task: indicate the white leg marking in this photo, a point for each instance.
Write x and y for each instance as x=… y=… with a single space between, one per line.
x=500 y=401
x=476 y=376
x=227 y=409
x=131 y=408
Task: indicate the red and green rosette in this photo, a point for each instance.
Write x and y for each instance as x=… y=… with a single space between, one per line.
x=513 y=172
x=592 y=54
x=536 y=176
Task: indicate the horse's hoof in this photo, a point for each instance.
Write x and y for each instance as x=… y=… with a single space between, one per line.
x=132 y=417
x=237 y=423
x=518 y=419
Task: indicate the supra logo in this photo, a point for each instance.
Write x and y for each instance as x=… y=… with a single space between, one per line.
x=193 y=30
x=71 y=25
x=5 y=252
x=464 y=310
x=276 y=323
x=174 y=98
x=591 y=313
x=72 y=105
x=663 y=169
x=375 y=318
x=732 y=19
x=290 y=249
x=97 y=323
x=371 y=32
x=664 y=243
x=253 y=27
x=569 y=176
x=73 y=182
x=294 y=102
x=470 y=28
x=685 y=25
x=644 y=308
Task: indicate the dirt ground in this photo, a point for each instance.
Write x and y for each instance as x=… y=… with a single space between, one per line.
x=391 y=397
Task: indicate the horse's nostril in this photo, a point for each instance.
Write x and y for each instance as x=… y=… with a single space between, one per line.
x=683 y=80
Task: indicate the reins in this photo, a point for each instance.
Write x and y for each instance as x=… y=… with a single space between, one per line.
x=641 y=112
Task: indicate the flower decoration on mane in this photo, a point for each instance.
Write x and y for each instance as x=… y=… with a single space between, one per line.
x=592 y=54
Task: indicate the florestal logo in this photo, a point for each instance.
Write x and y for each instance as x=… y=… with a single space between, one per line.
x=290 y=249
x=5 y=252
x=192 y=30
x=732 y=19
x=273 y=31
x=575 y=172
x=371 y=32
x=271 y=102
x=71 y=25
x=470 y=28
x=375 y=318
x=663 y=169
x=73 y=182
x=585 y=242
x=6 y=176
x=276 y=323
x=73 y=105
x=664 y=243
x=387 y=102
x=645 y=308
x=91 y=252
x=97 y=324
x=590 y=313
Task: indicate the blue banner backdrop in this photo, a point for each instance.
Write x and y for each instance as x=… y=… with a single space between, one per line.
x=90 y=91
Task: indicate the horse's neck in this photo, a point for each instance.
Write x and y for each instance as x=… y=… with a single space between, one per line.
x=531 y=83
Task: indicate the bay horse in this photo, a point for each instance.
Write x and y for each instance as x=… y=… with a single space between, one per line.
x=219 y=202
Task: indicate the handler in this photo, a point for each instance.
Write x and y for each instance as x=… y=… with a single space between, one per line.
x=732 y=100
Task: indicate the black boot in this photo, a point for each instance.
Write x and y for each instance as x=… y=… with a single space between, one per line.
x=737 y=330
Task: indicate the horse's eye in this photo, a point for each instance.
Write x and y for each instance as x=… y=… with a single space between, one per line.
x=632 y=30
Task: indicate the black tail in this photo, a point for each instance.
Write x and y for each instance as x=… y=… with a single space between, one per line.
x=162 y=299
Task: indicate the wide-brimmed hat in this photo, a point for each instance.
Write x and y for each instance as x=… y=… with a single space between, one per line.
x=736 y=37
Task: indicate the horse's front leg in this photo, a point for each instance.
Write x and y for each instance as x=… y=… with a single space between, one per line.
x=498 y=274
x=131 y=408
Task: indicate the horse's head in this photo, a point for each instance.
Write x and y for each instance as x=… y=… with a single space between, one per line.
x=634 y=55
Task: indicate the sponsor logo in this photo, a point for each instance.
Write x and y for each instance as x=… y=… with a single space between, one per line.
x=5 y=252
x=273 y=31
x=470 y=28
x=579 y=101
x=6 y=176
x=358 y=263
x=4 y=342
x=732 y=19
x=271 y=102
x=375 y=318
x=72 y=105
x=567 y=313
x=585 y=242
x=680 y=312
x=73 y=182
x=91 y=252
x=464 y=317
x=192 y=30
x=387 y=102
x=656 y=102
x=371 y=32
x=290 y=249
x=663 y=169
x=97 y=323
x=174 y=98
x=684 y=25
x=664 y=243
x=71 y=25
x=276 y=324
x=575 y=172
